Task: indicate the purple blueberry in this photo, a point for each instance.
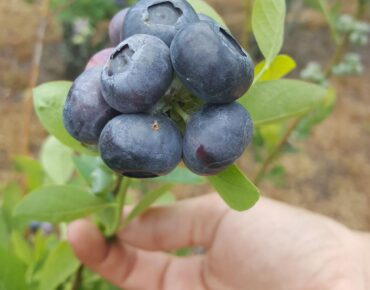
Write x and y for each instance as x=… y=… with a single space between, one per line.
x=141 y=145
x=161 y=18
x=215 y=137
x=85 y=111
x=211 y=63
x=137 y=74
x=116 y=26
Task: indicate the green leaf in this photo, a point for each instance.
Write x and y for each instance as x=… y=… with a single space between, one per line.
x=59 y=265
x=235 y=188
x=48 y=101
x=165 y=199
x=4 y=232
x=317 y=116
x=281 y=66
x=12 y=195
x=95 y=172
x=268 y=26
x=102 y=180
x=271 y=101
x=180 y=175
x=12 y=272
x=147 y=201
x=21 y=248
x=57 y=204
x=32 y=169
x=201 y=6
x=85 y=165
x=56 y=160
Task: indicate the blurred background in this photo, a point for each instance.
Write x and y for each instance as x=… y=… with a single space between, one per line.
x=324 y=163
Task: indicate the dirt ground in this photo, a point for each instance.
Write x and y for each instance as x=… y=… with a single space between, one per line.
x=331 y=172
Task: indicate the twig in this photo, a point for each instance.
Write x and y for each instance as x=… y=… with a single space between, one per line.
x=247 y=23
x=77 y=283
x=270 y=158
x=35 y=69
x=120 y=194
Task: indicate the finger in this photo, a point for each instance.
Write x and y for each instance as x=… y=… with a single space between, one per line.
x=126 y=266
x=191 y=222
x=99 y=58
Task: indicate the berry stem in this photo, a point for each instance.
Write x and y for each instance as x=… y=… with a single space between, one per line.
x=78 y=280
x=120 y=193
x=185 y=116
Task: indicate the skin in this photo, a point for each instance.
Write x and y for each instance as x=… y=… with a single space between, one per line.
x=272 y=246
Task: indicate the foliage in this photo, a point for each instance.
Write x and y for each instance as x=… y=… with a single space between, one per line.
x=69 y=181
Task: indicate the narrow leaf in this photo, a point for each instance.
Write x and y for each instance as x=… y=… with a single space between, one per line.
x=56 y=160
x=57 y=204
x=180 y=176
x=21 y=248
x=32 y=169
x=271 y=101
x=235 y=188
x=59 y=265
x=12 y=272
x=281 y=66
x=12 y=195
x=147 y=201
x=268 y=26
x=203 y=7
x=48 y=101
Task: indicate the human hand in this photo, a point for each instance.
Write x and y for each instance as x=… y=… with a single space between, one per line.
x=272 y=246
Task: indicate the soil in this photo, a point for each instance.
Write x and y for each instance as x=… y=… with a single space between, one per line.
x=331 y=172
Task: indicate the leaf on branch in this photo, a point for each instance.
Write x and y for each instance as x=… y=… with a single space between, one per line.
x=271 y=101
x=280 y=67
x=235 y=188
x=57 y=204
x=48 y=102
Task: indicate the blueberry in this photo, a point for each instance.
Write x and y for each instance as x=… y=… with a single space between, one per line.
x=137 y=74
x=204 y=17
x=116 y=26
x=161 y=18
x=34 y=226
x=85 y=111
x=100 y=58
x=211 y=63
x=141 y=145
x=215 y=137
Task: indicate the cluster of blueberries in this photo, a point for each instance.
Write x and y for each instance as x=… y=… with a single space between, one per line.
x=119 y=106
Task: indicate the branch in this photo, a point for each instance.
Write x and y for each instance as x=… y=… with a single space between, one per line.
x=35 y=69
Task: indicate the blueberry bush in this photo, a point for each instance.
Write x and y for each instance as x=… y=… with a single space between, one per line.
x=178 y=87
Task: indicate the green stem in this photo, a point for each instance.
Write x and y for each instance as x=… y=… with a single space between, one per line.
x=247 y=22
x=185 y=116
x=120 y=194
x=274 y=153
x=333 y=30
x=77 y=283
